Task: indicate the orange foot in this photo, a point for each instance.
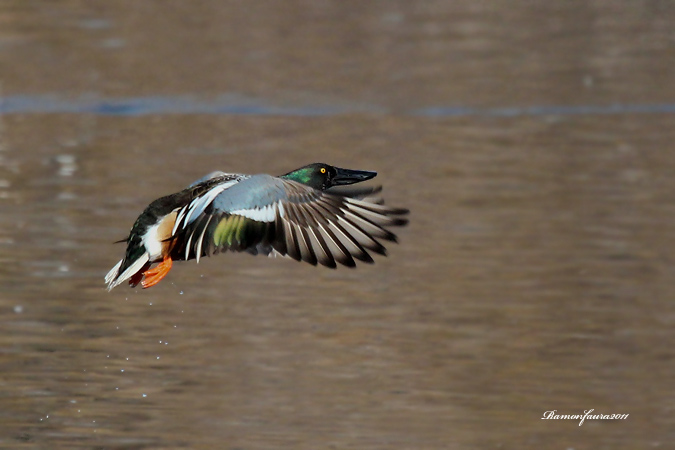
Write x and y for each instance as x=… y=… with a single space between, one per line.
x=154 y=276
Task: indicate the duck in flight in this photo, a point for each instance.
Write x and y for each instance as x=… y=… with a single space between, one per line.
x=290 y=215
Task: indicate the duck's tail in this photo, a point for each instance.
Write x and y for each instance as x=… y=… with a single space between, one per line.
x=123 y=271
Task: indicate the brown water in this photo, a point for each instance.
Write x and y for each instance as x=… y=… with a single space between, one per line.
x=536 y=273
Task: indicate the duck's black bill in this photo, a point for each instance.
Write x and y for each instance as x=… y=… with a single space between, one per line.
x=346 y=176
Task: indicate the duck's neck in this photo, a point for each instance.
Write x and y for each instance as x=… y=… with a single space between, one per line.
x=303 y=176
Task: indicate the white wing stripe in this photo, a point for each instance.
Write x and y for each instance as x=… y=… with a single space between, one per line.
x=182 y=212
x=201 y=239
x=265 y=214
x=187 y=247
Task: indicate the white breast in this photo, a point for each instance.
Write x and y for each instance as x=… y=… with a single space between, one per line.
x=153 y=242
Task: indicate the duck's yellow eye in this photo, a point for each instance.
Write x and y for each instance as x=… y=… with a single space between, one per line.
x=323 y=170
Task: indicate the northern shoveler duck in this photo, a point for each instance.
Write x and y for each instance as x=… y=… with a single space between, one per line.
x=289 y=215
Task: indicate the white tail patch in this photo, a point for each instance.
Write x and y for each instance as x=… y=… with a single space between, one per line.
x=131 y=270
x=113 y=272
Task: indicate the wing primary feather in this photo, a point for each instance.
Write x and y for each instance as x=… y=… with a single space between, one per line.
x=377 y=208
x=341 y=235
x=371 y=228
x=378 y=218
x=306 y=247
x=341 y=254
x=307 y=219
x=363 y=238
x=299 y=225
x=325 y=256
x=321 y=249
x=292 y=243
x=357 y=250
x=308 y=252
x=290 y=237
x=339 y=251
x=279 y=238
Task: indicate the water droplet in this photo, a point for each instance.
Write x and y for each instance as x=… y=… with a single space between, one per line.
x=95 y=24
x=113 y=43
x=67 y=164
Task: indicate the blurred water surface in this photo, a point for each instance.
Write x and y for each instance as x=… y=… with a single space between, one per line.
x=536 y=273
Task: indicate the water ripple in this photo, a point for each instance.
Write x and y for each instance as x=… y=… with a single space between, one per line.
x=236 y=105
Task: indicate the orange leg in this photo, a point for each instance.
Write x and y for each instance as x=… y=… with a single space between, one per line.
x=154 y=276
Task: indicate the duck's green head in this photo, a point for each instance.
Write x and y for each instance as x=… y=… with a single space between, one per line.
x=323 y=176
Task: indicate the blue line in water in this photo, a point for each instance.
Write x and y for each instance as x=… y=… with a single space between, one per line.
x=139 y=106
x=550 y=110
x=236 y=105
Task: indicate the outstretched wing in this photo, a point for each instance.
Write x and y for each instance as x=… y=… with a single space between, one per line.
x=265 y=214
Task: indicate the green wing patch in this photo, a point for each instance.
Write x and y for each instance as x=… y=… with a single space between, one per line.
x=238 y=232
